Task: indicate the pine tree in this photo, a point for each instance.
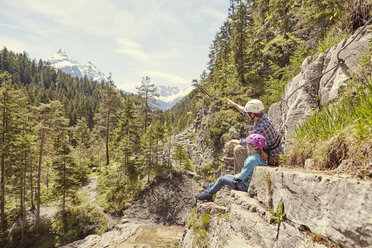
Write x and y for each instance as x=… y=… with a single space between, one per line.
x=148 y=93
x=179 y=154
x=12 y=112
x=23 y=158
x=241 y=18
x=50 y=114
x=127 y=137
x=63 y=163
x=108 y=111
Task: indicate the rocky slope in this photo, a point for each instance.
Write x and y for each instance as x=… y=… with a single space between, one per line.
x=194 y=138
x=320 y=81
x=161 y=210
x=321 y=211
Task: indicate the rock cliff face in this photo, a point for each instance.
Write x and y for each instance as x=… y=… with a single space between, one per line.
x=319 y=82
x=192 y=138
x=320 y=211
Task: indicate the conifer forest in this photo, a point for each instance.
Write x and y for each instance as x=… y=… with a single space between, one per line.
x=56 y=131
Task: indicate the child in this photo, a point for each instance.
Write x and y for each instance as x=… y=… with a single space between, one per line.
x=256 y=157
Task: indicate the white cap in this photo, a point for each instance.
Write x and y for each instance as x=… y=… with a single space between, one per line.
x=254 y=106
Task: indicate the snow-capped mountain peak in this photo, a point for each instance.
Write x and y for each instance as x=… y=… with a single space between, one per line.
x=60 y=61
x=170 y=95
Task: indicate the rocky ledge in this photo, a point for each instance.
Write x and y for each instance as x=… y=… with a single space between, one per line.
x=320 y=211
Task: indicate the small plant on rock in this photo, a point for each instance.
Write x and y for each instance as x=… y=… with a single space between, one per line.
x=279 y=216
x=267 y=179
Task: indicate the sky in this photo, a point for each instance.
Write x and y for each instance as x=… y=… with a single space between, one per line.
x=167 y=40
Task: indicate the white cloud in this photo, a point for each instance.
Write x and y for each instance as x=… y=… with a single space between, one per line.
x=162 y=38
x=213 y=12
x=135 y=53
x=9 y=26
x=167 y=76
x=134 y=18
x=129 y=86
x=128 y=43
x=12 y=44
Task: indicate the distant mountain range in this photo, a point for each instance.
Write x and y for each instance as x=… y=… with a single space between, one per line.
x=60 y=61
x=169 y=95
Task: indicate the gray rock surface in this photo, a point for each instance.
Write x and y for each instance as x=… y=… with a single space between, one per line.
x=193 y=138
x=310 y=87
x=120 y=232
x=166 y=202
x=337 y=208
x=246 y=222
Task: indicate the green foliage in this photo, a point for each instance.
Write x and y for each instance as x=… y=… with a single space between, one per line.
x=222 y=121
x=267 y=179
x=279 y=215
x=78 y=223
x=337 y=129
x=281 y=75
x=331 y=40
x=211 y=171
x=200 y=225
x=204 y=220
x=117 y=189
x=225 y=216
x=45 y=237
x=188 y=165
x=42 y=83
x=180 y=154
x=126 y=138
x=192 y=218
x=282 y=159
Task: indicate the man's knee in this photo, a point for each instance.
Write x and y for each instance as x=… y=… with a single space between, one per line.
x=239 y=149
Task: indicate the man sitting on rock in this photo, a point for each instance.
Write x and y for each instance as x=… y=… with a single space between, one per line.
x=262 y=125
x=255 y=144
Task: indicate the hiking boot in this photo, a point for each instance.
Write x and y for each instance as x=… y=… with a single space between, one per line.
x=207 y=185
x=203 y=197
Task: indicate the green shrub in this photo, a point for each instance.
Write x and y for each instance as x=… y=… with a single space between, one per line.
x=330 y=40
x=211 y=171
x=222 y=121
x=78 y=223
x=337 y=131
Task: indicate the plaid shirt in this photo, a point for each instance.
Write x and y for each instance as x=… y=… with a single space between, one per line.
x=265 y=127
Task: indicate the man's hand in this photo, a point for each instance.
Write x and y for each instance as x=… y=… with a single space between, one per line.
x=230 y=103
x=232 y=143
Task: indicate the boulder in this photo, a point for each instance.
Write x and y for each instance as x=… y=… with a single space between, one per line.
x=321 y=80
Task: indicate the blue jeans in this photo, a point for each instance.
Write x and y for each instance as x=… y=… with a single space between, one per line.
x=225 y=180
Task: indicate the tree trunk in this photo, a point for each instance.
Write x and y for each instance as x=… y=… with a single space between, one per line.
x=47 y=176
x=64 y=198
x=146 y=107
x=150 y=160
x=22 y=184
x=3 y=170
x=32 y=187
x=39 y=172
x=107 y=139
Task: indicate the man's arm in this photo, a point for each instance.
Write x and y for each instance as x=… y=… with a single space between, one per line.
x=232 y=143
x=237 y=106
